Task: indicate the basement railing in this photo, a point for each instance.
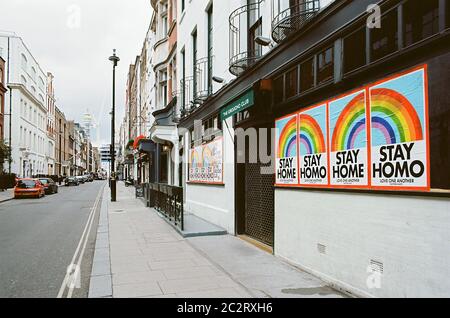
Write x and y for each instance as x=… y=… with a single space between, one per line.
x=168 y=200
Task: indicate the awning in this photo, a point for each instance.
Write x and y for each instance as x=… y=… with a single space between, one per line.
x=146 y=146
x=137 y=140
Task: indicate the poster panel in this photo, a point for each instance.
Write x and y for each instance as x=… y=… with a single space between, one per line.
x=206 y=163
x=349 y=141
x=212 y=159
x=287 y=153
x=399 y=132
x=313 y=146
x=195 y=164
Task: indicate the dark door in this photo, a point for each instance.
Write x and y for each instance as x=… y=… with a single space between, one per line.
x=255 y=202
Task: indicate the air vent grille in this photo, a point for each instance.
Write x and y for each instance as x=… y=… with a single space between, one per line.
x=322 y=249
x=377 y=267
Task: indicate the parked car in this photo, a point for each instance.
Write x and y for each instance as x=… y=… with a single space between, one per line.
x=49 y=185
x=71 y=181
x=81 y=179
x=89 y=178
x=29 y=188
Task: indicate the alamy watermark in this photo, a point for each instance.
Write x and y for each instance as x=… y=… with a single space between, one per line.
x=374 y=18
x=73 y=17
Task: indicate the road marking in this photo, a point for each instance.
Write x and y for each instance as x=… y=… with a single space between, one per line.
x=83 y=242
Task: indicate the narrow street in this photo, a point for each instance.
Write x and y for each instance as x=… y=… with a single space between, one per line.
x=39 y=239
x=245 y=149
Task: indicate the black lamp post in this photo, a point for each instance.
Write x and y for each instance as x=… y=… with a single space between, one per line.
x=115 y=59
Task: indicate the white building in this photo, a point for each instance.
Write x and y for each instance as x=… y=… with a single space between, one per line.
x=51 y=118
x=27 y=84
x=205 y=48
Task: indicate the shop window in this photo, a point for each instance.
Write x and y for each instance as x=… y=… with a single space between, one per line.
x=212 y=127
x=241 y=116
x=325 y=65
x=255 y=49
x=292 y=83
x=421 y=20
x=278 y=85
x=355 y=50
x=307 y=75
x=384 y=40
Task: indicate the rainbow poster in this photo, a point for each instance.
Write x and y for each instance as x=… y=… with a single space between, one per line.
x=212 y=161
x=349 y=141
x=399 y=132
x=313 y=141
x=206 y=163
x=195 y=164
x=287 y=152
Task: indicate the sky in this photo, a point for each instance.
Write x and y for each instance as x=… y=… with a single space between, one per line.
x=73 y=39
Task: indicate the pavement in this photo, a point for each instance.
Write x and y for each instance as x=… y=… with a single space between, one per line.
x=39 y=238
x=6 y=195
x=140 y=255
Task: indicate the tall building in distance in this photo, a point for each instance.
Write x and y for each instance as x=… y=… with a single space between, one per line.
x=2 y=96
x=91 y=126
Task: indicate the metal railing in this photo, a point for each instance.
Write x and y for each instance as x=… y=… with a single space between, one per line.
x=203 y=79
x=289 y=20
x=168 y=200
x=242 y=56
x=187 y=96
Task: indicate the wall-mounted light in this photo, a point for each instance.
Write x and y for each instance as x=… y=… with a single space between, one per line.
x=263 y=41
x=218 y=79
x=166 y=148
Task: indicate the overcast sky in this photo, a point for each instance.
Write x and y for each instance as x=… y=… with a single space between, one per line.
x=73 y=39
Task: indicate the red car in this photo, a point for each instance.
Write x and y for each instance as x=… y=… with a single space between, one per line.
x=29 y=188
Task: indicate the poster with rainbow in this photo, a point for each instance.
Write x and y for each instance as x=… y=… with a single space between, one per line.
x=349 y=141
x=313 y=146
x=206 y=163
x=212 y=161
x=195 y=164
x=287 y=153
x=399 y=129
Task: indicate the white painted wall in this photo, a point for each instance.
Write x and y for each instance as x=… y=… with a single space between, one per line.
x=409 y=235
x=212 y=203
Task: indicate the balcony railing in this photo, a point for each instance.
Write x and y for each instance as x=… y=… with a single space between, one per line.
x=243 y=50
x=186 y=96
x=203 y=79
x=290 y=18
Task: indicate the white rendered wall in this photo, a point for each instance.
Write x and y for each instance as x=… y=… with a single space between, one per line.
x=409 y=235
x=212 y=203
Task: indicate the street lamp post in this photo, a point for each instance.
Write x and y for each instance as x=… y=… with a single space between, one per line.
x=115 y=59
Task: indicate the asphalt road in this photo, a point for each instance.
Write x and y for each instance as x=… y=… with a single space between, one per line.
x=38 y=239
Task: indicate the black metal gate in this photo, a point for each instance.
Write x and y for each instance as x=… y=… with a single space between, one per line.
x=259 y=203
x=259 y=192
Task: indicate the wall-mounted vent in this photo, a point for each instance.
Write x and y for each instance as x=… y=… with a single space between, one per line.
x=377 y=267
x=322 y=249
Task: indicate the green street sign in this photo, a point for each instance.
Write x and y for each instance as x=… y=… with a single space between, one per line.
x=246 y=100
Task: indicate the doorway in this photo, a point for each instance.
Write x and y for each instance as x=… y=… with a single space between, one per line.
x=255 y=193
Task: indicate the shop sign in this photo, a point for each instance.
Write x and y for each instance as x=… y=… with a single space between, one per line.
x=244 y=102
